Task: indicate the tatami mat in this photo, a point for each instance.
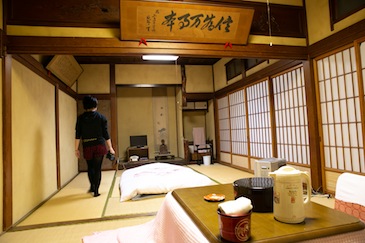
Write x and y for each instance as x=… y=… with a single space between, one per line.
x=221 y=173
x=74 y=205
x=73 y=202
x=116 y=190
x=323 y=200
x=146 y=206
x=68 y=233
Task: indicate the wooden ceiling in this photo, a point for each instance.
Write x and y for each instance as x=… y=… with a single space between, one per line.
x=286 y=21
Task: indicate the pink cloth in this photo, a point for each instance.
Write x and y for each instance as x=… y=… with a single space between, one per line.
x=199 y=140
x=132 y=234
x=171 y=224
x=199 y=136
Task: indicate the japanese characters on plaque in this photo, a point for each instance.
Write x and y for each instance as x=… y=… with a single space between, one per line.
x=184 y=22
x=204 y=22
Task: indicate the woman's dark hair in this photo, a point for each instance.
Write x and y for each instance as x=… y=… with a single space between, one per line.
x=89 y=102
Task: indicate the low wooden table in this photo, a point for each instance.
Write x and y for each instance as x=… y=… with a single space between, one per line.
x=164 y=156
x=320 y=221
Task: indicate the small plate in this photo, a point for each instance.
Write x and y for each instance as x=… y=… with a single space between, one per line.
x=214 y=197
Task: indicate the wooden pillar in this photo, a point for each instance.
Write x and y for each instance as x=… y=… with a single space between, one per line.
x=313 y=129
x=113 y=110
x=57 y=134
x=7 y=144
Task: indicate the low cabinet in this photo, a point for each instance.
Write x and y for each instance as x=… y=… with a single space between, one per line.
x=141 y=152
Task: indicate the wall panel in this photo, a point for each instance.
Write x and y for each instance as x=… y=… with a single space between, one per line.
x=67 y=115
x=95 y=79
x=131 y=74
x=199 y=78
x=33 y=132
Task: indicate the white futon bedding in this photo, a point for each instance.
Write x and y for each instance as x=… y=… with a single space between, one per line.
x=158 y=178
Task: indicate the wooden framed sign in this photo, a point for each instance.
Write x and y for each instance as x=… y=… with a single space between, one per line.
x=66 y=68
x=184 y=22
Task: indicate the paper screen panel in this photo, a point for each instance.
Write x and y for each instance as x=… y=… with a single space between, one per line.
x=340 y=111
x=291 y=116
x=238 y=122
x=362 y=58
x=224 y=128
x=259 y=120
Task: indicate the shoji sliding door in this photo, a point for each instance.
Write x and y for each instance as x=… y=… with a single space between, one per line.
x=259 y=121
x=341 y=110
x=239 y=139
x=224 y=129
x=291 y=116
x=246 y=126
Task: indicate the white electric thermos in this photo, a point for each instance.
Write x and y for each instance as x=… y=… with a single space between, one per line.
x=288 y=197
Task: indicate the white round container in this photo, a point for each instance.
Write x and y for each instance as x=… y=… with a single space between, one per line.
x=206 y=160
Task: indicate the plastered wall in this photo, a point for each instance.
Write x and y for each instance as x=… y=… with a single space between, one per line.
x=68 y=160
x=219 y=70
x=260 y=66
x=34 y=164
x=318 y=20
x=147 y=74
x=94 y=79
x=193 y=119
x=199 y=78
x=33 y=140
x=135 y=113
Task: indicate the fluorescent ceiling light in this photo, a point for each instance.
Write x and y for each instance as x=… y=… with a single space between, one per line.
x=160 y=57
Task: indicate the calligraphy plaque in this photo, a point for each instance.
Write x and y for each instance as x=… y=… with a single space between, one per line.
x=184 y=22
x=66 y=68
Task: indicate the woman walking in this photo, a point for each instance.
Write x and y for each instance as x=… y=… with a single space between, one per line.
x=92 y=131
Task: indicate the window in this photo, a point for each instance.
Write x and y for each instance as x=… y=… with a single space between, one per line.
x=234 y=68
x=250 y=63
x=340 y=9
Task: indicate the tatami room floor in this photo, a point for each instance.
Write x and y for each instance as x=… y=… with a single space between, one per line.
x=73 y=213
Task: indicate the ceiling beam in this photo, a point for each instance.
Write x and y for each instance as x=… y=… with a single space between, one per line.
x=116 y=47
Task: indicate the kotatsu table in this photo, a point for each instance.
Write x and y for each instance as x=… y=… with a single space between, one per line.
x=320 y=221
